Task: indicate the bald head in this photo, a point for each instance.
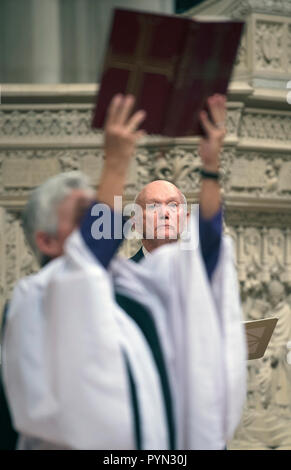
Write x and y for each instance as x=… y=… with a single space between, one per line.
x=163 y=207
x=159 y=189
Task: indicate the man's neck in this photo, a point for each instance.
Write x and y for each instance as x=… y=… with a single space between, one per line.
x=151 y=245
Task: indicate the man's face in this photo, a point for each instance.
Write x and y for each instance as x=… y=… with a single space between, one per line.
x=69 y=213
x=162 y=213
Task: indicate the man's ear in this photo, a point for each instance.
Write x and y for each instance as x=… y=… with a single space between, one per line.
x=188 y=215
x=47 y=244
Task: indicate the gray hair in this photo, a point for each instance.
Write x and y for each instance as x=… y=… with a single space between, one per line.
x=40 y=213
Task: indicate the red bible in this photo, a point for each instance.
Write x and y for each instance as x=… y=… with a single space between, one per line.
x=171 y=64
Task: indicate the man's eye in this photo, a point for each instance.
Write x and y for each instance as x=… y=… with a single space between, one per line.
x=154 y=205
x=172 y=205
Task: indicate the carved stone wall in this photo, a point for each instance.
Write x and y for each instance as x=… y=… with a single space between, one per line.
x=44 y=130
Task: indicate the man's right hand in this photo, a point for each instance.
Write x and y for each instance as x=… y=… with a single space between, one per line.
x=121 y=136
x=121 y=131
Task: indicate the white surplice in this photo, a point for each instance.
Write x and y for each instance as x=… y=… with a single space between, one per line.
x=66 y=339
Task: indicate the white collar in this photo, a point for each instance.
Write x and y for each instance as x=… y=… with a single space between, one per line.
x=145 y=251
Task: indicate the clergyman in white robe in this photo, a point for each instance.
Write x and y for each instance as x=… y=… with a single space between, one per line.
x=69 y=351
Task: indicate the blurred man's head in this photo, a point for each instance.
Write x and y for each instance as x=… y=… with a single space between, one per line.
x=164 y=211
x=53 y=211
x=276 y=291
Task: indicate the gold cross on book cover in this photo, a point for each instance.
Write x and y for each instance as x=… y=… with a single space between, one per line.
x=171 y=64
x=139 y=62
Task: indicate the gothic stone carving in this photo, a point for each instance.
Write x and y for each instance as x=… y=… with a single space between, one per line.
x=281 y=7
x=269 y=51
x=261 y=174
x=267 y=126
x=50 y=123
x=241 y=58
x=17 y=260
x=263 y=257
x=267 y=415
x=241 y=9
x=262 y=252
x=248 y=124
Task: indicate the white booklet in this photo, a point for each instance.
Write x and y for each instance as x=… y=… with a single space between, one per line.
x=259 y=333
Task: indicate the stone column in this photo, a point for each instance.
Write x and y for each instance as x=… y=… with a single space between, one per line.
x=30 y=34
x=45 y=41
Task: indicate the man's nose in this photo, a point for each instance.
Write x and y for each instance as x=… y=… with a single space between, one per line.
x=164 y=212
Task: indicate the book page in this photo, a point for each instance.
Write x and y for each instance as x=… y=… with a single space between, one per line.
x=259 y=333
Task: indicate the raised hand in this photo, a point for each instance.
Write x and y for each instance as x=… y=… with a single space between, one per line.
x=121 y=135
x=121 y=130
x=210 y=145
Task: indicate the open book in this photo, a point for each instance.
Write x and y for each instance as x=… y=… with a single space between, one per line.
x=171 y=64
x=259 y=333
